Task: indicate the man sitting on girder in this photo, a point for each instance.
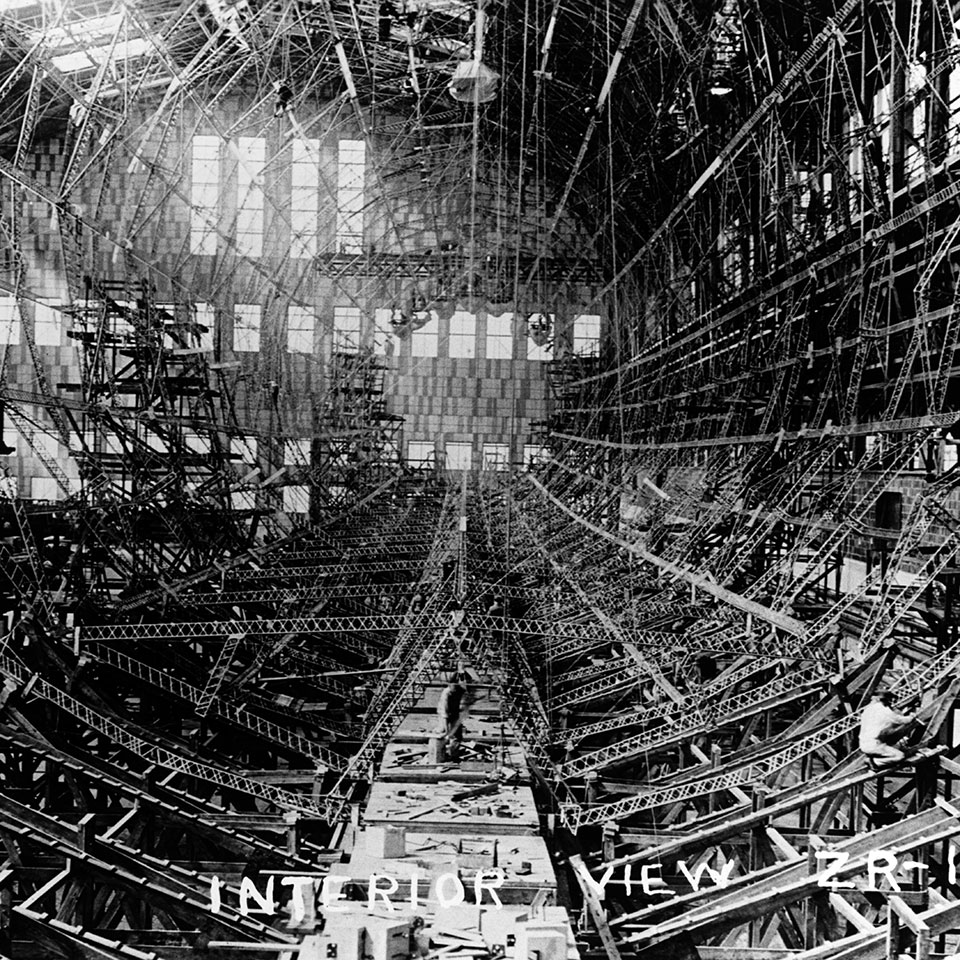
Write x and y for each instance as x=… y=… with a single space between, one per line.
x=885 y=734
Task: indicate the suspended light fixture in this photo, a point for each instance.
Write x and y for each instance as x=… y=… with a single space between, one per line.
x=473 y=81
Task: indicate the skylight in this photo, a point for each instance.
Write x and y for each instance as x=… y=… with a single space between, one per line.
x=86 y=43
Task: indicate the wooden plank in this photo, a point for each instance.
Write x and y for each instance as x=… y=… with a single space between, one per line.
x=849 y=913
x=597 y=913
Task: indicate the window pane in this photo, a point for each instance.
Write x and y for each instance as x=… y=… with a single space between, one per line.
x=534 y=453
x=9 y=321
x=205 y=186
x=45 y=488
x=351 y=172
x=296 y=499
x=245 y=448
x=250 y=200
x=48 y=325
x=346 y=329
x=463 y=335
x=196 y=444
x=586 y=335
x=459 y=456
x=304 y=198
x=949 y=455
x=384 y=342
x=539 y=336
x=246 y=328
x=297 y=452
x=424 y=342
x=300 y=326
x=243 y=500
x=206 y=318
x=420 y=452
x=500 y=337
x=496 y=456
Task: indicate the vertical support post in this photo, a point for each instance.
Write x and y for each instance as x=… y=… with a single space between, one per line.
x=758 y=802
x=609 y=842
x=810 y=904
x=291 y=818
x=715 y=753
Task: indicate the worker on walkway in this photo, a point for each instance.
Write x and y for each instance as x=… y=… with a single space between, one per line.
x=883 y=731
x=450 y=711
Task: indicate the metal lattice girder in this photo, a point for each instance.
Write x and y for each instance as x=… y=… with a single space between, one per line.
x=382 y=548
x=220 y=629
x=613 y=630
x=921 y=677
x=745 y=605
x=306 y=594
x=770 y=888
x=193 y=814
x=593 y=672
x=727 y=641
x=220 y=670
x=153 y=880
x=387 y=623
x=254 y=555
x=330 y=570
x=889 y=610
x=523 y=716
x=864 y=485
x=581 y=645
x=330 y=810
x=697 y=718
x=626 y=675
x=108 y=857
x=403 y=693
x=640 y=716
x=413 y=659
x=232 y=711
x=312 y=666
x=349 y=562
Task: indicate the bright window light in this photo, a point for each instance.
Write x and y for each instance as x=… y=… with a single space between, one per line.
x=346 y=329
x=463 y=335
x=246 y=328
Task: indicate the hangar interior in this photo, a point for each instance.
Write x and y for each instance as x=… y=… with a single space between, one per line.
x=467 y=466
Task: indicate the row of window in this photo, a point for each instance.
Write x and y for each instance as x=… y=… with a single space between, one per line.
x=296 y=498
x=458 y=455
x=348 y=331
x=462 y=339
x=49 y=322
x=816 y=209
x=308 y=186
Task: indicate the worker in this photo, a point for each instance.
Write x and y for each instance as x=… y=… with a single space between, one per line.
x=419 y=938
x=284 y=98
x=8 y=485
x=450 y=712
x=882 y=731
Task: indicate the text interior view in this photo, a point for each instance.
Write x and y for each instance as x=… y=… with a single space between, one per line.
x=479 y=479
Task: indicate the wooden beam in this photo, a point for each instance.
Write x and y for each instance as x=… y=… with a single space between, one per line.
x=595 y=908
x=780 y=620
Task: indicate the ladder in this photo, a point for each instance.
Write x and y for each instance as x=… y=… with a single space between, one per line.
x=220 y=670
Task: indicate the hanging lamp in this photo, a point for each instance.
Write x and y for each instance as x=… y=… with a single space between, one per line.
x=473 y=81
